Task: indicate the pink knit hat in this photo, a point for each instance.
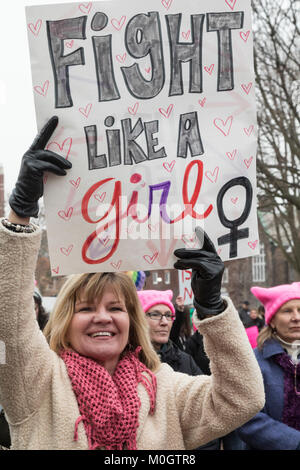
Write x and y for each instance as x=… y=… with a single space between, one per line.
x=148 y=298
x=274 y=297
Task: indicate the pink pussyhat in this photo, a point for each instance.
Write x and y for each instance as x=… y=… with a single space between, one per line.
x=273 y=298
x=148 y=298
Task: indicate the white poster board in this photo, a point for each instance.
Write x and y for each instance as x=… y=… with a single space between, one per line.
x=156 y=108
x=184 y=283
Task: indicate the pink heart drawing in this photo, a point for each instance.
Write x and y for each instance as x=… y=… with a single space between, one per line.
x=244 y=36
x=35 y=28
x=247 y=88
x=231 y=155
x=202 y=102
x=169 y=166
x=70 y=44
x=224 y=127
x=104 y=239
x=75 y=183
x=66 y=215
x=248 y=162
x=133 y=110
x=100 y=197
x=148 y=69
x=56 y=270
x=67 y=251
x=150 y=259
x=234 y=200
x=248 y=131
x=209 y=69
x=231 y=3
x=116 y=265
x=166 y=113
x=253 y=244
x=65 y=147
x=212 y=176
x=186 y=35
x=118 y=24
x=86 y=111
x=189 y=240
x=85 y=7
x=42 y=90
x=167 y=3
x=121 y=58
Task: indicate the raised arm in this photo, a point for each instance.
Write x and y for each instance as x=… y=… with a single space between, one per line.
x=26 y=371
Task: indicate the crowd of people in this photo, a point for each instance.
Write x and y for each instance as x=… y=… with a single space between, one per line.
x=120 y=368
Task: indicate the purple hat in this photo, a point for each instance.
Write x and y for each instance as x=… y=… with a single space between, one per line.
x=273 y=298
x=148 y=298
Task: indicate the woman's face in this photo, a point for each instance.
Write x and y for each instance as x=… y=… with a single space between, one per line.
x=287 y=321
x=100 y=331
x=159 y=329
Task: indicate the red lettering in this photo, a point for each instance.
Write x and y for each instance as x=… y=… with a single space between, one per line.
x=188 y=294
x=115 y=203
x=190 y=203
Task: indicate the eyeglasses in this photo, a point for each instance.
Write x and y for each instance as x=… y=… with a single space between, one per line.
x=158 y=316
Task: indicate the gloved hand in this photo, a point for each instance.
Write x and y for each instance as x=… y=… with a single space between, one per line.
x=207 y=271
x=30 y=186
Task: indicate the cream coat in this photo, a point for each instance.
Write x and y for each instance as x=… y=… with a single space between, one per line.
x=38 y=399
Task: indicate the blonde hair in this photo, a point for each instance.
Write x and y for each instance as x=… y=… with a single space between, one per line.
x=91 y=287
x=265 y=333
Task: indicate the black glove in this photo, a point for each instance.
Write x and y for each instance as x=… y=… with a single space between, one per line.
x=30 y=186
x=207 y=271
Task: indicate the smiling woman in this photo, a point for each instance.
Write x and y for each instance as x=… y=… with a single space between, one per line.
x=99 y=303
x=95 y=381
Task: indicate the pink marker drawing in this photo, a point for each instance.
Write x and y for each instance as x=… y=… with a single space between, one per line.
x=42 y=90
x=35 y=28
x=224 y=127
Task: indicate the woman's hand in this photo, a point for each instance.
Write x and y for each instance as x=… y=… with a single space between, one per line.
x=30 y=186
x=207 y=271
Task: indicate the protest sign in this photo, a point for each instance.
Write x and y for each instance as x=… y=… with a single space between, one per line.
x=156 y=110
x=184 y=283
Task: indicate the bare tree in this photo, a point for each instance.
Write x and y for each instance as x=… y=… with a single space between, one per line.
x=277 y=69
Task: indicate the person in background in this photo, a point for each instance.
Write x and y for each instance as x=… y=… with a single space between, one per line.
x=182 y=328
x=160 y=315
x=277 y=425
x=195 y=347
x=244 y=312
x=41 y=314
x=254 y=320
x=160 y=312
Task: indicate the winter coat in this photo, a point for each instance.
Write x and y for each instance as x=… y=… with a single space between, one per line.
x=183 y=362
x=265 y=431
x=194 y=346
x=178 y=359
x=41 y=406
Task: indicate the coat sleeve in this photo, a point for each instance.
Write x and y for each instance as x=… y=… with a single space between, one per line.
x=26 y=370
x=212 y=406
x=265 y=433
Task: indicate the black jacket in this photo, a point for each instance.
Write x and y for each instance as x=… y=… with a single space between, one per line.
x=194 y=347
x=178 y=359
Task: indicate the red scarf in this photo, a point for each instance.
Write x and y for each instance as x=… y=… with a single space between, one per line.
x=109 y=405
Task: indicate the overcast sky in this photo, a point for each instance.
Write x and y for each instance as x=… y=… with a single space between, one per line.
x=18 y=123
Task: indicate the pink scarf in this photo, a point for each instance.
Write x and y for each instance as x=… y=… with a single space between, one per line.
x=109 y=405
